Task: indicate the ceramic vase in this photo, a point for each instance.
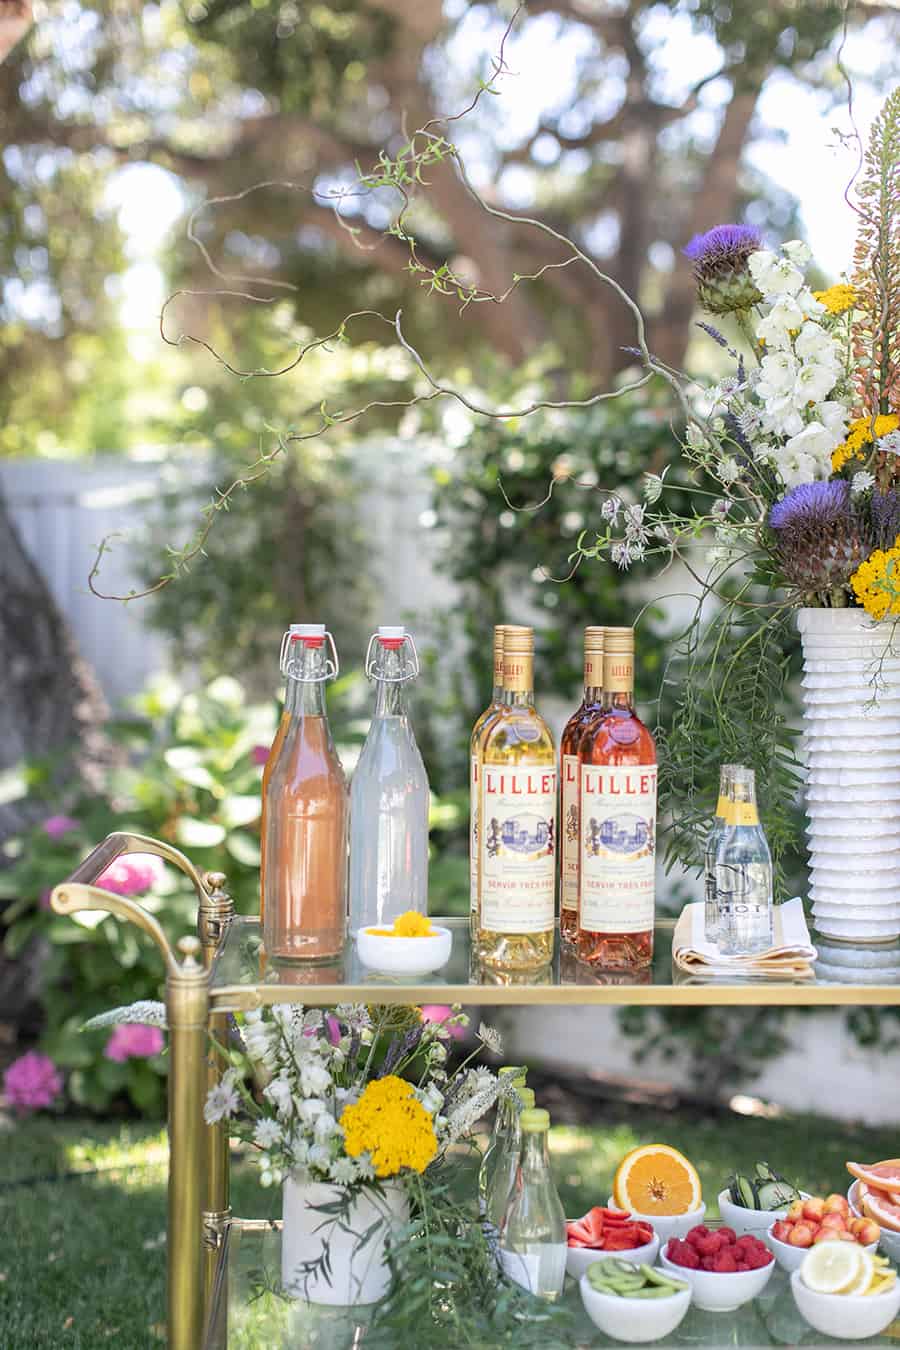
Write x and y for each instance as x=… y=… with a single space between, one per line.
x=851 y=715
x=357 y=1270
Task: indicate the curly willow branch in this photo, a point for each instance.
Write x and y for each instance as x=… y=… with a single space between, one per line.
x=403 y=175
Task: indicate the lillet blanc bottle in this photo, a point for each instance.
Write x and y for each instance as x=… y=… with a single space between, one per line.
x=517 y=822
x=570 y=784
x=495 y=706
x=389 y=795
x=303 y=872
x=617 y=877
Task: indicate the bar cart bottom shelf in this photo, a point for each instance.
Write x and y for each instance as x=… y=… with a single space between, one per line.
x=247 y=1313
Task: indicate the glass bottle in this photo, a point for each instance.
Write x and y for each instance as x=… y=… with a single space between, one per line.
x=504 y=1174
x=304 y=811
x=716 y=831
x=744 y=874
x=617 y=877
x=495 y=706
x=569 y=778
x=533 y=1230
x=503 y=1122
x=517 y=815
x=389 y=795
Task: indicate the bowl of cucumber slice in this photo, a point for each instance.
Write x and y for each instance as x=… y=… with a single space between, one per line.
x=752 y=1201
x=632 y=1303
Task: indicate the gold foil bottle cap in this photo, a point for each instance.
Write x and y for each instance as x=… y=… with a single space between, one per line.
x=517 y=639
x=594 y=639
x=619 y=639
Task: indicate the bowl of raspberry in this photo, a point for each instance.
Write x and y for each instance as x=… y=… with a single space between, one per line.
x=725 y=1271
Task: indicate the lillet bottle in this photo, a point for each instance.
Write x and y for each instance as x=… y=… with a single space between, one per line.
x=570 y=781
x=616 y=902
x=389 y=795
x=304 y=811
x=517 y=822
x=495 y=706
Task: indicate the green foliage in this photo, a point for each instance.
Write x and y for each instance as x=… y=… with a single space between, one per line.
x=186 y=773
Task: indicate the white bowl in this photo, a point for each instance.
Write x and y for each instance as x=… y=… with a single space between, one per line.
x=666 y=1226
x=404 y=955
x=741 y=1220
x=579 y=1258
x=846 y=1318
x=636 y=1320
x=716 y=1291
x=791 y=1258
x=889 y=1241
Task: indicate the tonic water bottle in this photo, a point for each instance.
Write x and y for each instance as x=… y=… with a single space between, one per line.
x=744 y=874
x=533 y=1231
x=713 y=839
x=497 y=1144
x=389 y=795
x=504 y=1177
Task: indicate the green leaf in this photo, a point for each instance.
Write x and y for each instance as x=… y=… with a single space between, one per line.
x=244 y=848
x=194 y=833
x=239 y=810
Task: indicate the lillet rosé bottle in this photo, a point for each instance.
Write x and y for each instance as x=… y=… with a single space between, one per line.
x=616 y=898
x=570 y=784
x=304 y=812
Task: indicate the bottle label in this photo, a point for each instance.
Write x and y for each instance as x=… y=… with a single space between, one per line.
x=593 y=670
x=517 y=847
x=743 y=813
x=618 y=672
x=473 y=837
x=540 y=1270
x=571 y=836
x=618 y=848
x=722 y=807
x=518 y=672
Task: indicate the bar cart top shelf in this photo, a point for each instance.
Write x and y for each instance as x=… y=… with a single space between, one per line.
x=242 y=979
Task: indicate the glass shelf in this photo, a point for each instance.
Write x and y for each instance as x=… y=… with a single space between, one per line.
x=246 y=1314
x=241 y=980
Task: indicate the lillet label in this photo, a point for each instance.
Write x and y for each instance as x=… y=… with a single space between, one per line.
x=618 y=848
x=517 y=847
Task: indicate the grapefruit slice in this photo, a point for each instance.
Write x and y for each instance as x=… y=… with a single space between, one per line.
x=885 y=1175
x=657 y=1179
x=878 y=1206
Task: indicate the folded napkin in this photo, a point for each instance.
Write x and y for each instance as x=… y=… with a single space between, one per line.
x=790 y=956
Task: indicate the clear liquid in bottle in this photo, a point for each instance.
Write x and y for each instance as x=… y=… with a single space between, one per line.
x=744 y=875
x=533 y=1232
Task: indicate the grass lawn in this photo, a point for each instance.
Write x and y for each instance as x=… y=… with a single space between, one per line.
x=82 y=1206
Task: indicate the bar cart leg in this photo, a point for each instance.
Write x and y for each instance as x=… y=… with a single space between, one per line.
x=187 y=1005
x=216 y=909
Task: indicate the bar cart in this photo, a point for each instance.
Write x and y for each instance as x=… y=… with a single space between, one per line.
x=218 y=972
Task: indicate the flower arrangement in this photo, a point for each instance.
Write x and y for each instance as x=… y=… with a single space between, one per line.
x=793 y=462
x=351 y=1095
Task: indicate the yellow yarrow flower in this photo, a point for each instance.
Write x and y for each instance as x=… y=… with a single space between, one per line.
x=410 y=924
x=837 y=299
x=391 y=1124
x=862 y=432
x=876 y=582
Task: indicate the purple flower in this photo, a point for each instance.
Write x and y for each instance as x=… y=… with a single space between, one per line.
x=133 y=1040
x=724 y=283
x=332 y=1029
x=724 y=241
x=132 y=875
x=32 y=1081
x=57 y=826
x=885 y=508
x=811 y=504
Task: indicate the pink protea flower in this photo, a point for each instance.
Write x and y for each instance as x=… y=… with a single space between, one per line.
x=31 y=1082
x=259 y=754
x=132 y=875
x=57 y=826
x=440 y=1012
x=133 y=1040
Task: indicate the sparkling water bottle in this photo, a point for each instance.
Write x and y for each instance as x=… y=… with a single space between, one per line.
x=744 y=874
x=533 y=1231
x=504 y=1175
x=389 y=796
x=713 y=839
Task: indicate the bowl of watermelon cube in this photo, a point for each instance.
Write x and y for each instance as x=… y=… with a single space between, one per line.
x=605 y=1232
x=725 y=1271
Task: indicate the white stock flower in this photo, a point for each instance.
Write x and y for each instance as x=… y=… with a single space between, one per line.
x=325 y=1127
x=834 y=416
x=795 y=468
x=815 y=440
x=280 y=1094
x=783 y=318
x=814 y=344
x=267 y=1133
x=310 y=1109
x=778 y=372
x=774 y=275
x=815 y=380
x=314 y=1077
x=783 y=416
x=811 y=307
x=861 y=482
x=798 y=252
x=319 y=1156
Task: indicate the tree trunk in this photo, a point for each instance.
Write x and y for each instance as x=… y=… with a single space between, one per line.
x=50 y=702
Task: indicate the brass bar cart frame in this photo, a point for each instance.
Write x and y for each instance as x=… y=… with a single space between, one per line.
x=197 y=1011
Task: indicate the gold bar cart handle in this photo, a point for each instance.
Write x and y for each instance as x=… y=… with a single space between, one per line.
x=114 y=845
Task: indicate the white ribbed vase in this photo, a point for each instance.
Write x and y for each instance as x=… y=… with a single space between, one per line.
x=851 y=722
x=358 y=1273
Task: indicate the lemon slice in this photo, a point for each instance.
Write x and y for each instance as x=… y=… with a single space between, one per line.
x=835 y=1267
x=862 y=1284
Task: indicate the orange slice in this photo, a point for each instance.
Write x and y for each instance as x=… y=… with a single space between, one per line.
x=656 y=1179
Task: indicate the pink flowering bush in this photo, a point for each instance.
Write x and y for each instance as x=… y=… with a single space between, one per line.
x=32 y=1082
x=132 y=874
x=133 y=1040
x=57 y=826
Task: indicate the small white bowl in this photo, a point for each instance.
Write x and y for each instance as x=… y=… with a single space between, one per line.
x=404 y=955
x=666 y=1226
x=756 y=1222
x=791 y=1258
x=635 y=1320
x=718 y=1291
x=889 y=1242
x=845 y=1317
x=579 y=1258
